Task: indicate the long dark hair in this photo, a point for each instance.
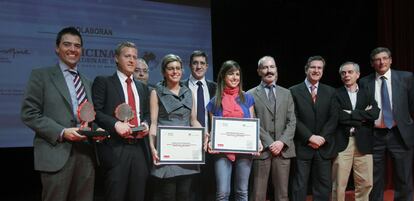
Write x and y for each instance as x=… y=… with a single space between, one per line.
x=227 y=67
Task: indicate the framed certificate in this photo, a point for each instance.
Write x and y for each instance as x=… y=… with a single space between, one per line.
x=235 y=135
x=180 y=145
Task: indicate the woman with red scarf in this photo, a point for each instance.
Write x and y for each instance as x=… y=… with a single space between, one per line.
x=231 y=101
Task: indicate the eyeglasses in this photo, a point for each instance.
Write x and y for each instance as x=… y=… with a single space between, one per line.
x=202 y=63
x=138 y=70
x=386 y=58
x=177 y=68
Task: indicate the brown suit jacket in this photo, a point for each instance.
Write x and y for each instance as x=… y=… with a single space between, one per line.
x=284 y=120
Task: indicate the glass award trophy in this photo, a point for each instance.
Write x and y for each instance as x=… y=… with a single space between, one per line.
x=124 y=113
x=86 y=114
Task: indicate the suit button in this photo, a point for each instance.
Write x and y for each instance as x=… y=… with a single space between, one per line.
x=273 y=119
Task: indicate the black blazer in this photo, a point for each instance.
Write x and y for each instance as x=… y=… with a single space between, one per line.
x=402 y=101
x=360 y=118
x=319 y=118
x=212 y=86
x=107 y=94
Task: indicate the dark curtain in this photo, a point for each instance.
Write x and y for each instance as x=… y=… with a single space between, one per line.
x=396 y=31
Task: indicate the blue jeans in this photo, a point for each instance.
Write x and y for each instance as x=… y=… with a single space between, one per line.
x=224 y=167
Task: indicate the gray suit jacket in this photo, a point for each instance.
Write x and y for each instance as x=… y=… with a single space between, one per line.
x=284 y=120
x=47 y=109
x=402 y=101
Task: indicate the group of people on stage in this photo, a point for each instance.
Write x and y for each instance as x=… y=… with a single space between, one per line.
x=310 y=133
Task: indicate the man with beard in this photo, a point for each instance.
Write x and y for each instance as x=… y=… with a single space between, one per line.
x=275 y=108
x=316 y=120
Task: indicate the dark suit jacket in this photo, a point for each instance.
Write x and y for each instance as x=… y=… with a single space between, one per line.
x=107 y=95
x=212 y=86
x=47 y=109
x=283 y=120
x=362 y=120
x=319 y=118
x=402 y=101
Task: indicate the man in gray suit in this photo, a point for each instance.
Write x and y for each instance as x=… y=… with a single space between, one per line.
x=394 y=129
x=64 y=158
x=275 y=108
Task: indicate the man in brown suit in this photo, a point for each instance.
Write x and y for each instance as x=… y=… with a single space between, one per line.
x=276 y=133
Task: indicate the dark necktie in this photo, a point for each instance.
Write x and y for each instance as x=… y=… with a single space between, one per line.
x=79 y=88
x=386 y=104
x=200 y=104
x=271 y=96
x=131 y=102
x=313 y=93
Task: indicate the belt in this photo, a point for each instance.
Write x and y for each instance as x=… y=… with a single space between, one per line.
x=130 y=140
x=385 y=129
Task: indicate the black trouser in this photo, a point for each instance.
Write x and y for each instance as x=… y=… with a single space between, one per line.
x=127 y=180
x=319 y=169
x=172 y=189
x=389 y=142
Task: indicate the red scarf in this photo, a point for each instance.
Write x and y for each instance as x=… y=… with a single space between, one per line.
x=231 y=109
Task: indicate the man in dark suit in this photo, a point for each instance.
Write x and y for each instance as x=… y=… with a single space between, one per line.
x=357 y=113
x=202 y=89
x=316 y=120
x=125 y=156
x=64 y=157
x=394 y=129
x=277 y=129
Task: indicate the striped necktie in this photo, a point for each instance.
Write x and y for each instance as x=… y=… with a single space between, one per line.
x=313 y=93
x=79 y=88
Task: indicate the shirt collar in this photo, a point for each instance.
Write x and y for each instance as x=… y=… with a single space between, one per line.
x=308 y=84
x=264 y=84
x=349 y=90
x=194 y=81
x=122 y=76
x=63 y=67
x=387 y=75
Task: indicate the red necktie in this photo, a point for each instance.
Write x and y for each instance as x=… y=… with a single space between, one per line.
x=131 y=102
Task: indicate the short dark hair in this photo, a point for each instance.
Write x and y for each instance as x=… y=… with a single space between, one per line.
x=314 y=58
x=379 y=50
x=197 y=53
x=68 y=30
